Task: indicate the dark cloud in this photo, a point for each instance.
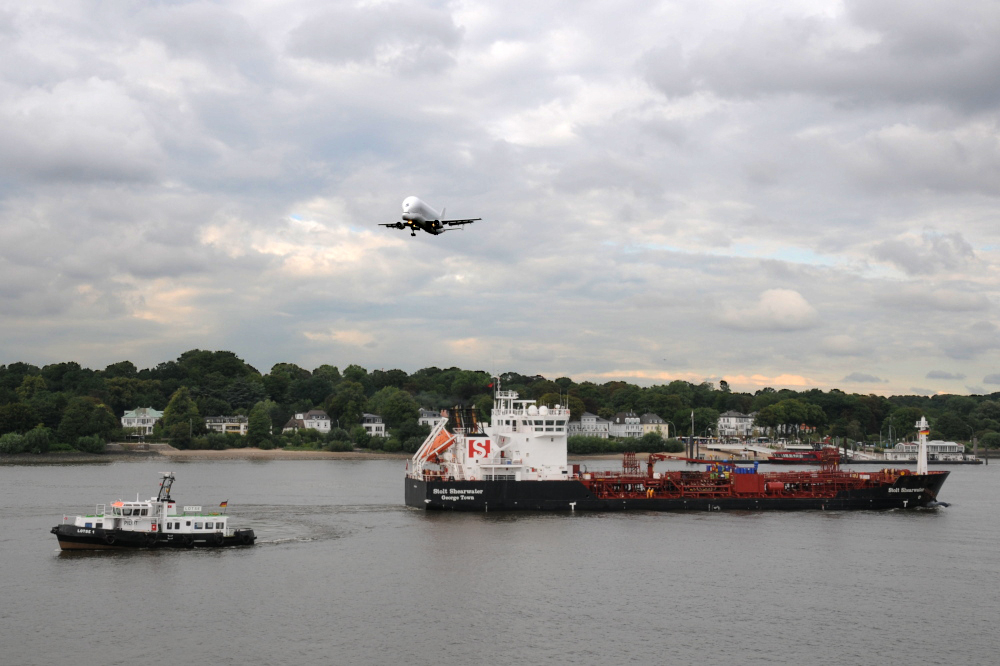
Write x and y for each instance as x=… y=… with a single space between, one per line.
x=979 y=338
x=941 y=374
x=874 y=52
x=992 y=379
x=932 y=253
x=861 y=377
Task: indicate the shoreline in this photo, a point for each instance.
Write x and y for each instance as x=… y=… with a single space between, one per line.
x=161 y=452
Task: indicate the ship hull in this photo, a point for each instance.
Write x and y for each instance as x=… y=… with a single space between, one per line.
x=71 y=537
x=907 y=492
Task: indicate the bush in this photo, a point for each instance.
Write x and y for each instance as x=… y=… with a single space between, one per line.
x=582 y=444
x=38 y=440
x=339 y=445
x=391 y=445
x=990 y=440
x=360 y=436
x=91 y=444
x=12 y=443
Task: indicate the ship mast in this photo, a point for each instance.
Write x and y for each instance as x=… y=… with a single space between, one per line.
x=923 y=428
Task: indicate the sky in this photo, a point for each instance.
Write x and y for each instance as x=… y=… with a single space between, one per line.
x=785 y=194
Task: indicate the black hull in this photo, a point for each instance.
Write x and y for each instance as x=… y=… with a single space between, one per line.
x=72 y=537
x=908 y=492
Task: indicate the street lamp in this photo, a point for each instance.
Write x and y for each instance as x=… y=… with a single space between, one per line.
x=672 y=425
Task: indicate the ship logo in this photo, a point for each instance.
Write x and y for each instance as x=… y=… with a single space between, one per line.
x=479 y=448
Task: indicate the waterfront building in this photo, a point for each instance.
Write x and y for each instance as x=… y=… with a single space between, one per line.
x=429 y=417
x=735 y=424
x=936 y=450
x=625 y=424
x=141 y=420
x=315 y=419
x=230 y=425
x=653 y=423
x=590 y=425
x=373 y=425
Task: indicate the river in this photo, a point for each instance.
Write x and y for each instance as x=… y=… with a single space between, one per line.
x=343 y=573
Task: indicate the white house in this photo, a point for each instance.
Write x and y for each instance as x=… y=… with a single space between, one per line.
x=315 y=419
x=735 y=424
x=373 y=425
x=231 y=425
x=141 y=420
x=653 y=423
x=626 y=424
x=590 y=425
x=429 y=417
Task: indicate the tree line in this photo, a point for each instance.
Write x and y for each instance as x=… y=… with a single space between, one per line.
x=66 y=406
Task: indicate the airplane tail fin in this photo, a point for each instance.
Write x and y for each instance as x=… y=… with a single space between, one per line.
x=444 y=213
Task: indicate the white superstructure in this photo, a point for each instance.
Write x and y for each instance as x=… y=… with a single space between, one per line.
x=522 y=442
x=158 y=514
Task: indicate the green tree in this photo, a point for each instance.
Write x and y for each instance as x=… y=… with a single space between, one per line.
x=86 y=417
x=181 y=420
x=17 y=417
x=31 y=386
x=259 y=424
x=347 y=403
x=395 y=406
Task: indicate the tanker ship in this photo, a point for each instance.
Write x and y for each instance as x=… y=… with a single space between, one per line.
x=518 y=461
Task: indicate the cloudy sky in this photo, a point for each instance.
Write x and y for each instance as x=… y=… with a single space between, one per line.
x=779 y=194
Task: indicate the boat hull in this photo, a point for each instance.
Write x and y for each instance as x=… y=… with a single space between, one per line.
x=907 y=492
x=71 y=537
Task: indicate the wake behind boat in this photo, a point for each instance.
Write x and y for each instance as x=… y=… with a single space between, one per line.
x=154 y=523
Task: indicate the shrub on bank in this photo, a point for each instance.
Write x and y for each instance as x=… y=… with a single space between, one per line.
x=12 y=443
x=91 y=444
x=38 y=440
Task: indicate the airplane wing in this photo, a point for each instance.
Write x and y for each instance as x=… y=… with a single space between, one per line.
x=396 y=225
x=454 y=223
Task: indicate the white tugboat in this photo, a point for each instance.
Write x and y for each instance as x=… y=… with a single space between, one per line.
x=153 y=523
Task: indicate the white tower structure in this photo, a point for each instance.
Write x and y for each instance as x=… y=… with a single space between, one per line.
x=923 y=429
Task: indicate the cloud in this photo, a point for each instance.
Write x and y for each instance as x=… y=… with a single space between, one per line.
x=353 y=338
x=776 y=310
x=930 y=253
x=656 y=181
x=403 y=37
x=978 y=338
x=842 y=345
x=992 y=379
x=962 y=298
x=941 y=374
x=916 y=390
x=860 y=377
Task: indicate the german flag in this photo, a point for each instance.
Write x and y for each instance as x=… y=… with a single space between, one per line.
x=224 y=504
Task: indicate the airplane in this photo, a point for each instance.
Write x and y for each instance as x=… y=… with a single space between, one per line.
x=418 y=215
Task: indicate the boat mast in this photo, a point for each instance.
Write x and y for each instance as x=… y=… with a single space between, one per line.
x=168 y=480
x=923 y=428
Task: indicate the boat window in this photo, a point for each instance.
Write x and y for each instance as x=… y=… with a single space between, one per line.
x=560 y=423
x=538 y=423
x=144 y=512
x=197 y=526
x=188 y=523
x=550 y=423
